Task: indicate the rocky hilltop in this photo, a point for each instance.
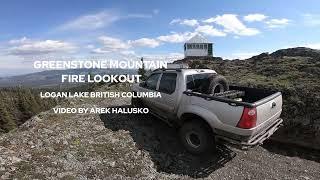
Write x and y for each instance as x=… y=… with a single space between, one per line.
x=295 y=72
x=113 y=146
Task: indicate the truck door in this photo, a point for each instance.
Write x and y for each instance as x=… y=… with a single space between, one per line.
x=151 y=85
x=167 y=88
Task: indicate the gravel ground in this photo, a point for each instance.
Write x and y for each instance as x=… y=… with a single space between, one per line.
x=119 y=146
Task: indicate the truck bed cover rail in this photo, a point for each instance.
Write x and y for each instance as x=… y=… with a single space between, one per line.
x=231 y=101
x=221 y=99
x=230 y=94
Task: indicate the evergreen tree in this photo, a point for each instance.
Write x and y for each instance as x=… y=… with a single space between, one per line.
x=7 y=122
x=19 y=104
x=142 y=71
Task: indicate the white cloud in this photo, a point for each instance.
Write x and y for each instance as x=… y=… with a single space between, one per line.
x=278 y=23
x=210 y=31
x=311 y=19
x=98 y=20
x=248 y=32
x=19 y=41
x=255 y=17
x=100 y=51
x=162 y=57
x=232 y=24
x=121 y=49
x=187 y=22
x=145 y=42
x=176 y=37
x=174 y=21
x=90 y=46
x=125 y=54
x=210 y=20
x=29 y=47
x=90 y=21
x=129 y=52
x=132 y=55
x=112 y=44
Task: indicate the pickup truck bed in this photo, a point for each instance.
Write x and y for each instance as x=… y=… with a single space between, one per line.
x=251 y=96
x=268 y=105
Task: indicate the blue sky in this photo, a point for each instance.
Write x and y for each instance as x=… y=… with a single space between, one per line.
x=152 y=29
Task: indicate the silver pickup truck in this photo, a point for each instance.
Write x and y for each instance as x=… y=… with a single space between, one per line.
x=204 y=119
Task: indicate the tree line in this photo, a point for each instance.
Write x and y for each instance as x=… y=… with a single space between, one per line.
x=19 y=104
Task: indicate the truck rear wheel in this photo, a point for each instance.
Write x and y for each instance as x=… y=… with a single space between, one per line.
x=197 y=137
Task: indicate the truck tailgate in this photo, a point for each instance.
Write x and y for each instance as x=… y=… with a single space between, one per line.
x=268 y=109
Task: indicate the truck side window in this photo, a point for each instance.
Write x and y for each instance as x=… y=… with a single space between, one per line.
x=151 y=82
x=198 y=82
x=168 y=83
x=190 y=83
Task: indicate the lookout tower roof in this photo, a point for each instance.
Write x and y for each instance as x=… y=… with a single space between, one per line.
x=197 y=39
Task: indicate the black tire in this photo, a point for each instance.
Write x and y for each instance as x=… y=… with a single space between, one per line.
x=218 y=84
x=197 y=137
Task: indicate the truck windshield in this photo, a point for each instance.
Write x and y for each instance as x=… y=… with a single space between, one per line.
x=197 y=82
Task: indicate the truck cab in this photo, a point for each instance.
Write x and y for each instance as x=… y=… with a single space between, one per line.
x=203 y=119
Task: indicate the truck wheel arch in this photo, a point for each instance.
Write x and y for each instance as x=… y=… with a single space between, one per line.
x=186 y=117
x=205 y=115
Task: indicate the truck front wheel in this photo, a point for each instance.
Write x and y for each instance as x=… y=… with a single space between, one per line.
x=197 y=137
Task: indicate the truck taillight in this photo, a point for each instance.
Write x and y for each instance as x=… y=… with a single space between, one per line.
x=248 y=119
